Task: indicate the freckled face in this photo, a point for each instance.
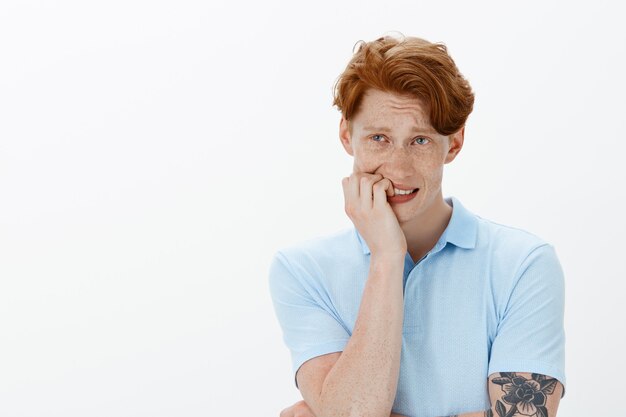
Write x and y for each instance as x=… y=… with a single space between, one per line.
x=392 y=136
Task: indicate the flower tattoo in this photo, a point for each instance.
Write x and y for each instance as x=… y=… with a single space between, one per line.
x=527 y=396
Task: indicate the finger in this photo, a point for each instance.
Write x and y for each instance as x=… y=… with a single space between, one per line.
x=389 y=189
x=354 y=188
x=371 y=171
x=345 y=181
x=381 y=189
x=286 y=412
x=350 y=194
x=366 y=183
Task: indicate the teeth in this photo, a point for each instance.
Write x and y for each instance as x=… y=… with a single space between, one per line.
x=403 y=192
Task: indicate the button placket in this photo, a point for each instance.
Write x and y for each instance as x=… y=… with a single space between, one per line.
x=411 y=324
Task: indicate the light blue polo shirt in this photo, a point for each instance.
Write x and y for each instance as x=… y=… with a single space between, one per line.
x=486 y=298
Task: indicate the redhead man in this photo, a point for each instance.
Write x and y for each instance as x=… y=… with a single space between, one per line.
x=422 y=309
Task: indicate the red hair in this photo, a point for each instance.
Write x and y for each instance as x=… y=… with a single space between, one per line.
x=407 y=66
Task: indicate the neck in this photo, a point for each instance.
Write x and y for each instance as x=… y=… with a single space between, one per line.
x=423 y=233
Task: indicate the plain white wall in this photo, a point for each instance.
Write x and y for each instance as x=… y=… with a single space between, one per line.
x=154 y=155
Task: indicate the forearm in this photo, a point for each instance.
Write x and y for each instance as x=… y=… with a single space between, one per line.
x=485 y=413
x=363 y=381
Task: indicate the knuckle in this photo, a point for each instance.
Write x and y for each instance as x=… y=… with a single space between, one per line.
x=300 y=407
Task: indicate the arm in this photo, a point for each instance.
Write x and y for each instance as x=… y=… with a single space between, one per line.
x=530 y=334
x=521 y=394
x=360 y=377
x=362 y=380
x=302 y=409
x=510 y=394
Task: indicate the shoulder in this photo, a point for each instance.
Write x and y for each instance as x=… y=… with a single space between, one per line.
x=507 y=235
x=520 y=261
x=310 y=257
x=322 y=248
x=512 y=253
x=508 y=242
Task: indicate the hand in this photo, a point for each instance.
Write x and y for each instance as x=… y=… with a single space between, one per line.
x=299 y=409
x=366 y=204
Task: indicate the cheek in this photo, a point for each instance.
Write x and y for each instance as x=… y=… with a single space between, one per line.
x=367 y=160
x=425 y=163
x=431 y=165
x=433 y=173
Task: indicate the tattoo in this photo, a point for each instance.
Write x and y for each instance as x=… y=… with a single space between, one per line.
x=526 y=396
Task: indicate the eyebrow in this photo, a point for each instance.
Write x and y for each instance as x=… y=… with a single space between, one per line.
x=387 y=130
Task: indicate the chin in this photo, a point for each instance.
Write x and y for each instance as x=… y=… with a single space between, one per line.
x=404 y=216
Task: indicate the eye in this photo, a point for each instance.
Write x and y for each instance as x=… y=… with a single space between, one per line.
x=376 y=136
x=425 y=139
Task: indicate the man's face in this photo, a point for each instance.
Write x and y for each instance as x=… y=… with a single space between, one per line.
x=392 y=136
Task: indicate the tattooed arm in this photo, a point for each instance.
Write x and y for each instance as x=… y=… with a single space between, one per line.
x=521 y=394
x=512 y=394
x=524 y=394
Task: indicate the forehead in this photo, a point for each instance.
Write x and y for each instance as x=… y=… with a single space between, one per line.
x=380 y=106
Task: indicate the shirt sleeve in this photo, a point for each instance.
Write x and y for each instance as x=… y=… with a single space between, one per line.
x=530 y=335
x=310 y=326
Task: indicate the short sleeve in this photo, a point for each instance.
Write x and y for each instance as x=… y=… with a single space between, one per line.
x=530 y=335
x=310 y=327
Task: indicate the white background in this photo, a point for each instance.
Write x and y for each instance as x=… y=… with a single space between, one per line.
x=154 y=155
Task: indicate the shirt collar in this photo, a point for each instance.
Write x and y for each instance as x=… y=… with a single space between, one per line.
x=461 y=231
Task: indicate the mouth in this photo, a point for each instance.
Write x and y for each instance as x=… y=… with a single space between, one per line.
x=402 y=198
x=402 y=191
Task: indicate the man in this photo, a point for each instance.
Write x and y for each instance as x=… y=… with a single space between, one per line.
x=423 y=308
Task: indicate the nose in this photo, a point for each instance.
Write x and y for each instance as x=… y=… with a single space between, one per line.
x=400 y=164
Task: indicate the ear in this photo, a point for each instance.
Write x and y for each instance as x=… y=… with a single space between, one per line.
x=345 y=135
x=455 y=143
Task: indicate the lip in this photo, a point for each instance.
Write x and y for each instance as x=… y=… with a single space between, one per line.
x=402 y=187
x=397 y=199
